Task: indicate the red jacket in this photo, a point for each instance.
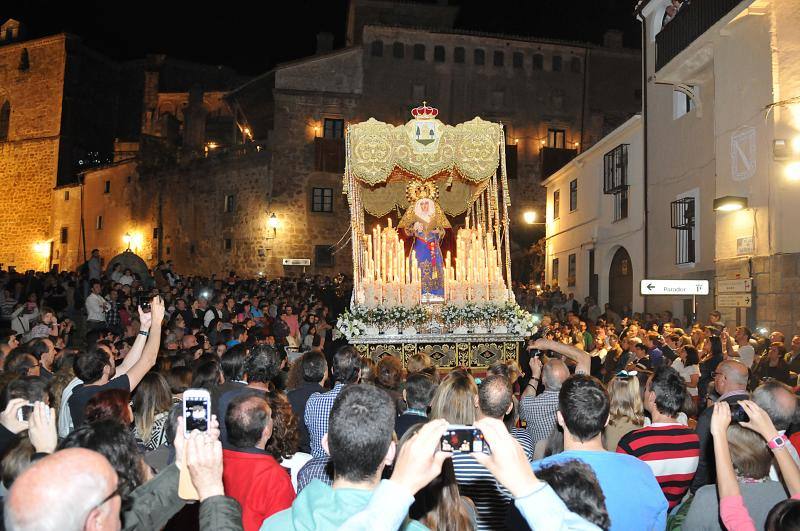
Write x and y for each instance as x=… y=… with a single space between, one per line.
x=260 y=485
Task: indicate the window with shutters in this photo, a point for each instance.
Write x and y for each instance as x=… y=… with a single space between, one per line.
x=322 y=200
x=571 y=269
x=556 y=203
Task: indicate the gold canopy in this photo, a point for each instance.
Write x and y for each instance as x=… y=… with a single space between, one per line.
x=378 y=148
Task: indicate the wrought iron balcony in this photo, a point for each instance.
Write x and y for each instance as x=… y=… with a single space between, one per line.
x=690 y=22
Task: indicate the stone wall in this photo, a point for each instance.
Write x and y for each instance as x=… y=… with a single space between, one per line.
x=29 y=157
x=775 y=295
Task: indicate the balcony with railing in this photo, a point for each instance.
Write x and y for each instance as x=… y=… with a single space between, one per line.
x=689 y=23
x=553 y=159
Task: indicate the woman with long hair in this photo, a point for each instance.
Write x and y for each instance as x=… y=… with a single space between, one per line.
x=285 y=438
x=151 y=404
x=454 y=399
x=627 y=410
x=439 y=504
x=389 y=377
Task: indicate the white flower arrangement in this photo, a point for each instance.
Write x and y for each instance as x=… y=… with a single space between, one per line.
x=506 y=318
x=350 y=326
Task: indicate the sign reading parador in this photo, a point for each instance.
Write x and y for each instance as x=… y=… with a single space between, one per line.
x=673 y=287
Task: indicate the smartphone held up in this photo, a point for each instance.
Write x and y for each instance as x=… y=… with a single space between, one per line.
x=463 y=439
x=196 y=410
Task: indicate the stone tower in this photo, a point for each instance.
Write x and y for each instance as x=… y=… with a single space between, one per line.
x=31 y=89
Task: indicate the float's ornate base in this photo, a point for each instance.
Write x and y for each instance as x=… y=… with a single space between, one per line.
x=448 y=351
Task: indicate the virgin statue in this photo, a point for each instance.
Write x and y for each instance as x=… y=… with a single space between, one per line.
x=426 y=223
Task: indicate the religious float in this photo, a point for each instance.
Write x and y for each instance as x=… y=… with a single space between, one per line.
x=430 y=238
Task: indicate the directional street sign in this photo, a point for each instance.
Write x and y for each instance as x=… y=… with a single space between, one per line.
x=740 y=285
x=734 y=300
x=673 y=287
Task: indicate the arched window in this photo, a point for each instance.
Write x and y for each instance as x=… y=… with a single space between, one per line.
x=5 y=119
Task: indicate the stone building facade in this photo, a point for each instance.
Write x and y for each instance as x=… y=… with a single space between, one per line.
x=216 y=172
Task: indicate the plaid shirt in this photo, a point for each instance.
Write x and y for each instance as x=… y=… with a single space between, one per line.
x=318 y=409
x=316 y=468
x=112 y=314
x=539 y=412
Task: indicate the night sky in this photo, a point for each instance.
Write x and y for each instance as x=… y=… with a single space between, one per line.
x=238 y=35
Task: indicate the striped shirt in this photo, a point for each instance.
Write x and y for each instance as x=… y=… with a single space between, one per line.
x=491 y=499
x=671 y=450
x=524 y=439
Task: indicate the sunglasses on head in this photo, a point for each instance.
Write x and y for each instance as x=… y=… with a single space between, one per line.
x=626 y=375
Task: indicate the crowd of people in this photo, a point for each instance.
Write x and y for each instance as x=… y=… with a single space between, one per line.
x=607 y=420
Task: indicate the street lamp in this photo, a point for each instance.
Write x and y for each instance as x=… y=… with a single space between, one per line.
x=127 y=240
x=273 y=223
x=529 y=216
x=729 y=203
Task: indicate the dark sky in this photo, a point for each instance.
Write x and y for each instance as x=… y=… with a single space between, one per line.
x=252 y=36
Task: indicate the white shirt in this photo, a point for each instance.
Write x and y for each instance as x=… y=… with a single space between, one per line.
x=687 y=373
x=95 y=307
x=746 y=355
x=209 y=316
x=125 y=280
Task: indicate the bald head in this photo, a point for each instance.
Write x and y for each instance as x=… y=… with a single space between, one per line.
x=494 y=396
x=554 y=373
x=64 y=491
x=735 y=377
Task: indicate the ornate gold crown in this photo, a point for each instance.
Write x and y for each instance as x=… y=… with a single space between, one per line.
x=424 y=112
x=417 y=190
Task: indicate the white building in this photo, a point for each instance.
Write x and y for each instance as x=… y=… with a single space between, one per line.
x=722 y=154
x=595 y=221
